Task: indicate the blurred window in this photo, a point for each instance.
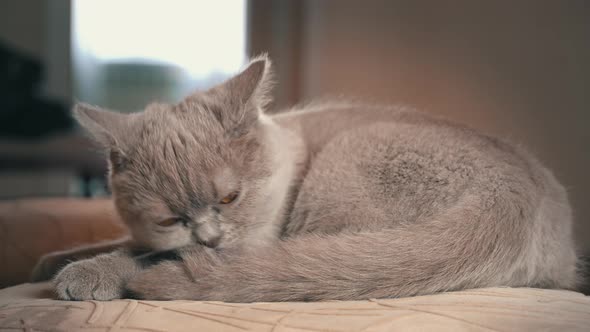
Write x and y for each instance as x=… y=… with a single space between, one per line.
x=128 y=53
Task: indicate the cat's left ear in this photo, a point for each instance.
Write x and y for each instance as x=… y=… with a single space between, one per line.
x=240 y=99
x=252 y=85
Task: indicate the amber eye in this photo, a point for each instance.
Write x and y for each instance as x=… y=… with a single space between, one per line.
x=229 y=198
x=169 y=222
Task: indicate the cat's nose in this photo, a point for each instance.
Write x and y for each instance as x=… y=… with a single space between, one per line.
x=208 y=234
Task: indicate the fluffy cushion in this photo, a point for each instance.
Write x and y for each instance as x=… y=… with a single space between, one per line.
x=30 y=307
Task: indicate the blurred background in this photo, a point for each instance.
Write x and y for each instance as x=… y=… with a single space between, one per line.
x=518 y=69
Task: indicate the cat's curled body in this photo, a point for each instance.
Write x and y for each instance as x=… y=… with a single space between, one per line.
x=331 y=202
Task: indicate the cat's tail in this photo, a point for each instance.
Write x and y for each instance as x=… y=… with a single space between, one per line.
x=464 y=249
x=390 y=263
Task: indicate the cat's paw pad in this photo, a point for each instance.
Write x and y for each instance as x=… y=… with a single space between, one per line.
x=88 y=280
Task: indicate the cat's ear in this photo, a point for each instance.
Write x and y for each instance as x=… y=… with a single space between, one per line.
x=240 y=99
x=106 y=127
x=251 y=86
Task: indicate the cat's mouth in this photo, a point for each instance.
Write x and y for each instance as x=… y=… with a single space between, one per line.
x=207 y=233
x=212 y=243
x=208 y=240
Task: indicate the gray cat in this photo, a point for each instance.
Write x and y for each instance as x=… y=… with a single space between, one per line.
x=338 y=201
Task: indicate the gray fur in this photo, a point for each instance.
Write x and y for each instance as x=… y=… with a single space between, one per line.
x=337 y=202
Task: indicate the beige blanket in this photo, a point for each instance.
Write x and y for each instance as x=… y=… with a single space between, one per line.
x=30 y=307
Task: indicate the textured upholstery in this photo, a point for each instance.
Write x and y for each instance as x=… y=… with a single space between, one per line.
x=29 y=307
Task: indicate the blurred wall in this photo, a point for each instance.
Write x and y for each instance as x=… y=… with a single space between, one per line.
x=275 y=27
x=22 y=25
x=41 y=29
x=517 y=69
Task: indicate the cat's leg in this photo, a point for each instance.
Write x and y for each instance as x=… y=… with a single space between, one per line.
x=179 y=274
x=48 y=265
x=103 y=277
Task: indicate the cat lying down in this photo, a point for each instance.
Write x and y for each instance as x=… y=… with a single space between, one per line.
x=338 y=201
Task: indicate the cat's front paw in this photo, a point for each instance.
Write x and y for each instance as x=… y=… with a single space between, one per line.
x=100 y=278
x=86 y=280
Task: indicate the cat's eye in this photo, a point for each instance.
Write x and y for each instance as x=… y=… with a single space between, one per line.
x=229 y=198
x=169 y=222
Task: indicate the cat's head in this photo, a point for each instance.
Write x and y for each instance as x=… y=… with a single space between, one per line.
x=197 y=171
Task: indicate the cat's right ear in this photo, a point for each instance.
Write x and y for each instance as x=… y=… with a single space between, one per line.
x=106 y=127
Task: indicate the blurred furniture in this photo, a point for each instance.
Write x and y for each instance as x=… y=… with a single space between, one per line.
x=57 y=166
x=40 y=154
x=128 y=86
x=33 y=227
x=24 y=112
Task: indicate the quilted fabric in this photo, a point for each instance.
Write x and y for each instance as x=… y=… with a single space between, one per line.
x=30 y=307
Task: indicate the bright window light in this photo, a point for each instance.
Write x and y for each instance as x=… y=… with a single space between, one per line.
x=199 y=36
